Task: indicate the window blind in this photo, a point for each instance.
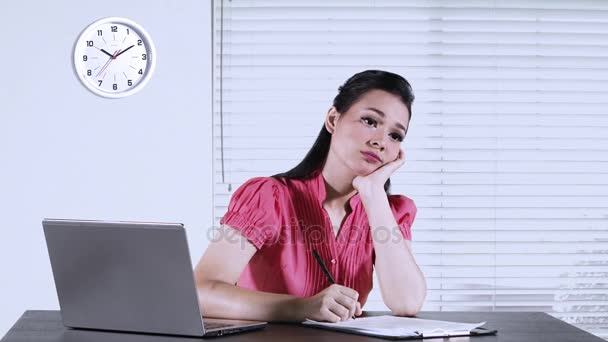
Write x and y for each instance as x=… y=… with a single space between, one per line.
x=506 y=151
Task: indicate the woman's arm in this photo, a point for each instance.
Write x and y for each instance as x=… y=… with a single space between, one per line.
x=216 y=273
x=402 y=283
x=219 y=269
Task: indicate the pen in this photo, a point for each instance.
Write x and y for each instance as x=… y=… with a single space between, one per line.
x=324 y=268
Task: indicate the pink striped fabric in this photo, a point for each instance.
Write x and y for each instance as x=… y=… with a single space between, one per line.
x=285 y=220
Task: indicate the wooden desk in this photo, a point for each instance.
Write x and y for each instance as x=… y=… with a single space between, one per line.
x=46 y=326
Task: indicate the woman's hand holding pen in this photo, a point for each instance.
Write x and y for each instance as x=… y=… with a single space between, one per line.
x=334 y=304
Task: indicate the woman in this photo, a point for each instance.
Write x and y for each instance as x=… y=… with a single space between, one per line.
x=336 y=203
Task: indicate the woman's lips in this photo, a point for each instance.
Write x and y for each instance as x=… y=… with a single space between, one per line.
x=372 y=156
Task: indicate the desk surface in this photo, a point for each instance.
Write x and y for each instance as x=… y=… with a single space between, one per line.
x=46 y=326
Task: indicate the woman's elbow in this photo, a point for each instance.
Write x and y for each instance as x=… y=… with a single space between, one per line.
x=206 y=286
x=407 y=307
x=405 y=311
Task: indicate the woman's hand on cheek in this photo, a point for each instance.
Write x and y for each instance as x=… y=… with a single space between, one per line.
x=375 y=180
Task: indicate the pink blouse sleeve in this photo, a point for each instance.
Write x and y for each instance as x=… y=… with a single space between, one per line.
x=404 y=210
x=254 y=211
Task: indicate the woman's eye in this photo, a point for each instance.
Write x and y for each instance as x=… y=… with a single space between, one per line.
x=396 y=136
x=369 y=122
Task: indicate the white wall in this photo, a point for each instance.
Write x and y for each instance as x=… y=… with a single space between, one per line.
x=67 y=153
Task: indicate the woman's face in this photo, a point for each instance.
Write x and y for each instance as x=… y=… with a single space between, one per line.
x=374 y=125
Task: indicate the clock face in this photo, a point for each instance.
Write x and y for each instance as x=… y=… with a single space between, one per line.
x=114 y=57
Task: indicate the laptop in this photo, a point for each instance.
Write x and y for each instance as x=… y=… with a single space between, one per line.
x=129 y=276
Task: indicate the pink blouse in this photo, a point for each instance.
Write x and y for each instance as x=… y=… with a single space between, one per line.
x=285 y=221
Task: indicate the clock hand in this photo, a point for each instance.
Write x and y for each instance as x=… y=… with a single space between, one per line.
x=106 y=52
x=108 y=62
x=123 y=51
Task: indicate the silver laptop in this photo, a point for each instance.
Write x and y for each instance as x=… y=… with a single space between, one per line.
x=129 y=276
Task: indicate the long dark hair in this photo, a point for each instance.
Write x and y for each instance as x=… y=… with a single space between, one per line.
x=348 y=94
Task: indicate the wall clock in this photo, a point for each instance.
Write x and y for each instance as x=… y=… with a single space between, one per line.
x=114 y=57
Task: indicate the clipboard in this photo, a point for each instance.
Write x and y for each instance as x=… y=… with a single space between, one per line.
x=417 y=336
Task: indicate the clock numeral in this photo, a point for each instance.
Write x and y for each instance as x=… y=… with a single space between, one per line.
x=89 y=73
x=127 y=31
x=139 y=42
x=114 y=86
x=144 y=56
x=100 y=82
x=141 y=71
x=89 y=43
x=130 y=83
x=99 y=32
x=114 y=28
x=85 y=58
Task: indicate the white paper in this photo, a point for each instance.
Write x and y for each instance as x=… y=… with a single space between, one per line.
x=400 y=326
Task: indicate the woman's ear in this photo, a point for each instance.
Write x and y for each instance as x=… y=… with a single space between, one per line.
x=331 y=120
